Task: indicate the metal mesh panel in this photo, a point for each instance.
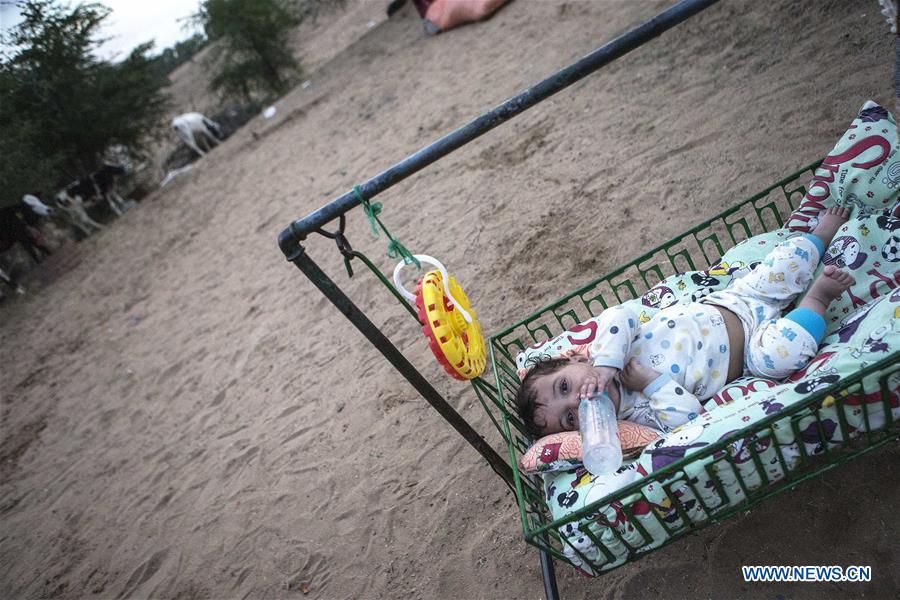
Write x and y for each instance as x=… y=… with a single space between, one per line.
x=729 y=486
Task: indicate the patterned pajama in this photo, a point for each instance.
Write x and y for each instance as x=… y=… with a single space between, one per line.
x=688 y=343
x=776 y=346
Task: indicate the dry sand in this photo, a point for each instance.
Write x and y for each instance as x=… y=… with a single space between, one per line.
x=185 y=416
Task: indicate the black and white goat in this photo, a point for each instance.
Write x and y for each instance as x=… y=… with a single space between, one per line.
x=70 y=202
x=15 y=229
x=99 y=185
x=104 y=180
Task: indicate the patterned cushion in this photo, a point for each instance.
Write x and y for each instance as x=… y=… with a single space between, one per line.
x=562 y=451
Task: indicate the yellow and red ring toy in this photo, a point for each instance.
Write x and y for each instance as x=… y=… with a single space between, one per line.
x=448 y=321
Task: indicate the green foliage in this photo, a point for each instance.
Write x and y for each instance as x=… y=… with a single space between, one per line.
x=26 y=165
x=255 y=45
x=172 y=58
x=61 y=108
x=129 y=87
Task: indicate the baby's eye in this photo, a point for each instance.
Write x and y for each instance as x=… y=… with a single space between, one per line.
x=570 y=419
x=564 y=386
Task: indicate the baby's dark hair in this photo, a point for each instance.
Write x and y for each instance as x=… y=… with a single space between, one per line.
x=526 y=398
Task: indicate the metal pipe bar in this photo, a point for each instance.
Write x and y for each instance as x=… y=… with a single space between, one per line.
x=289 y=239
x=548 y=574
x=297 y=231
x=331 y=291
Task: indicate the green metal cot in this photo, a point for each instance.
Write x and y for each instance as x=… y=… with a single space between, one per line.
x=693 y=250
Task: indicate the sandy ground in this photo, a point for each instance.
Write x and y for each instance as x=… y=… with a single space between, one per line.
x=185 y=416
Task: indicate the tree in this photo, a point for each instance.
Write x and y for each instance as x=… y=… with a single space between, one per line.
x=254 y=42
x=61 y=108
x=134 y=102
x=171 y=58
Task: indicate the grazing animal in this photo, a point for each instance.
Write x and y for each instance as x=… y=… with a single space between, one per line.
x=70 y=203
x=14 y=228
x=194 y=127
x=104 y=180
x=99 y=185
x=36 y=206
x=9 y=280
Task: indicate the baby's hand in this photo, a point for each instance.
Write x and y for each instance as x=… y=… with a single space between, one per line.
x=636 y=376
x=597 y=383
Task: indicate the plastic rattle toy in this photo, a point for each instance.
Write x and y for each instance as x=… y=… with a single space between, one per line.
x=448 y=321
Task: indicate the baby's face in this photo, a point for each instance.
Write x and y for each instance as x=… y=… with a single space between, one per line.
x=558 y=397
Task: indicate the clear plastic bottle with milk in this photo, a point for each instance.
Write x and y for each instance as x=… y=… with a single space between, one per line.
x=601 y=449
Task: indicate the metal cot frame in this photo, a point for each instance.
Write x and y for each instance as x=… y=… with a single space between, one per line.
x=539 y=528
x=873 y=391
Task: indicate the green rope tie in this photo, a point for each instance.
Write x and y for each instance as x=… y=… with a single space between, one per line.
x=395 y=248
x=372 y=210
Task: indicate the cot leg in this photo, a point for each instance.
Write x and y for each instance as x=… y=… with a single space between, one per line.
x=330 y=289
x=549 y=576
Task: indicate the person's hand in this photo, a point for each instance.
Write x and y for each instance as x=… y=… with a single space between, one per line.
x=636 y=376
x=596 y=383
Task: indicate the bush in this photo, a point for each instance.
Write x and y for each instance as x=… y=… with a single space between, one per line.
x=62 y=109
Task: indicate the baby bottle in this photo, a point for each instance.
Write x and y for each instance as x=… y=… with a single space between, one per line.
x=599 y=435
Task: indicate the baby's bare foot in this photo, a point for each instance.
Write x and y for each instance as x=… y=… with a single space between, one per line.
x=829 y=222
x=829 y=285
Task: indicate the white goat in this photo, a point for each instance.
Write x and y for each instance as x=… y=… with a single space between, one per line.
x=194 y=127
x=35 y=204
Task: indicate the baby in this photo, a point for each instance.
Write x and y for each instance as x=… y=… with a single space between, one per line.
x=656 y=373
